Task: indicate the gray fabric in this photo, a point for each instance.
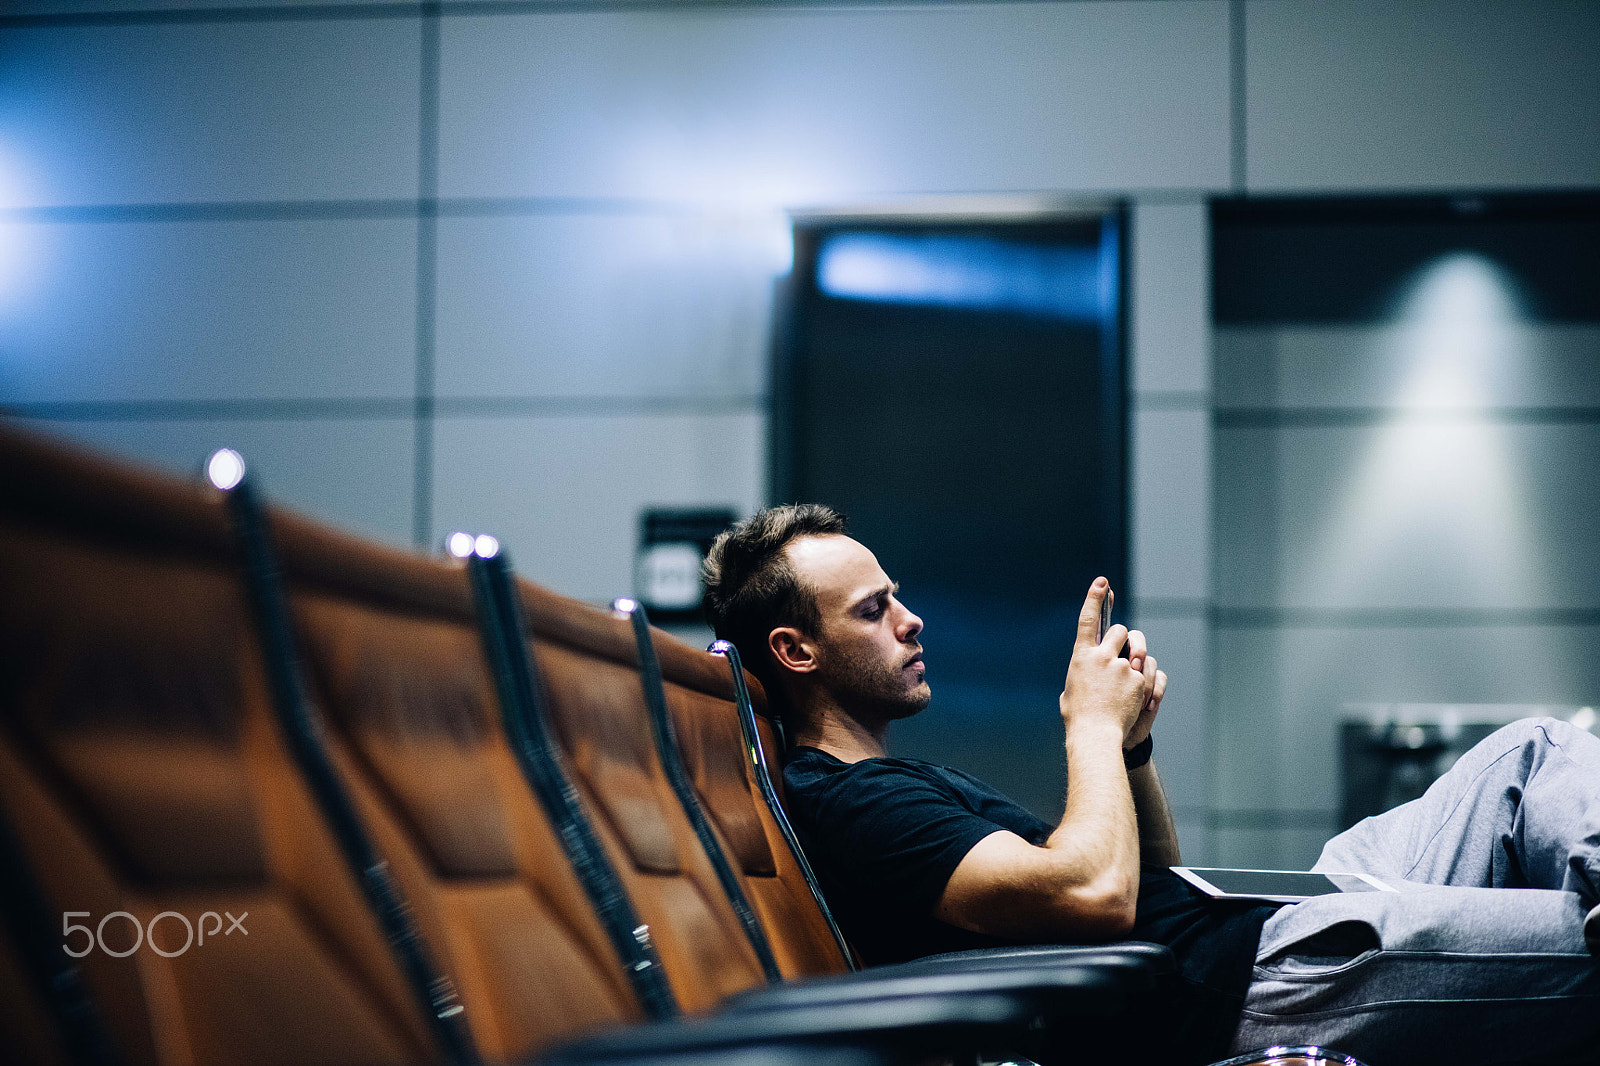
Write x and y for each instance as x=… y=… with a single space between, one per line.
x=1481 y=957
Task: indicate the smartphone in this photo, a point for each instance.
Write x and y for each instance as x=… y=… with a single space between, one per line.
x=1105 y=622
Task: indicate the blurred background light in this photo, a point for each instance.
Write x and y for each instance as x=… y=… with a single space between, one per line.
x=19 y=266
x=459 y=544
x=486 y=546
x=15 y=189
x=967 y=272
x=225 y=468
x=775 y=237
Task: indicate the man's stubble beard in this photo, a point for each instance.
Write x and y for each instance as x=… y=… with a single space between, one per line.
x=870 y=687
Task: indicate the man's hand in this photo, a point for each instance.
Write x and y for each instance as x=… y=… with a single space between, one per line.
x=1100 y=687
x=1141 y=660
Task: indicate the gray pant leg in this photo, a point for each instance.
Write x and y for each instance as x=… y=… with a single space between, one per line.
x=1486 y=974
x=1520 y=810
x=1453 y=976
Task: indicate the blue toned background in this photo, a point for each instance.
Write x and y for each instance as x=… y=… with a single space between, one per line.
x=511 y=266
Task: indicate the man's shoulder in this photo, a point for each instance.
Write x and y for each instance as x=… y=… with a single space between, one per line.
x=816 y=762
x=813 y=772
x=824 y=790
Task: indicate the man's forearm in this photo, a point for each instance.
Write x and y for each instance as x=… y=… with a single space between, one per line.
x=1083 y=883
x=1158 y=837
x=1099 y=828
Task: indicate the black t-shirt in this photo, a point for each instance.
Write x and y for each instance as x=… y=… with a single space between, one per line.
x=884 y=836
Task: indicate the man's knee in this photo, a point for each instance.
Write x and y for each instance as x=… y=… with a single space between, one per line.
x=1545 y=730
x=1538 y=744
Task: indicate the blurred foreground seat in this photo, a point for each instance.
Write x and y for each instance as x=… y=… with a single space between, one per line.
x=151 y=800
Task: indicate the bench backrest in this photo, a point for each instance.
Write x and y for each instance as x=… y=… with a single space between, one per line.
x=588 y=673
x=715 y=754
x=397 y=668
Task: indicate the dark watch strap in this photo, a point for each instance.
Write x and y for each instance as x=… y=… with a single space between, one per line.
x=1139 y=754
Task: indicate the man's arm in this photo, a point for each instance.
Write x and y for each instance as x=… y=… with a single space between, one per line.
x=1158 y=837
x=1084 y=881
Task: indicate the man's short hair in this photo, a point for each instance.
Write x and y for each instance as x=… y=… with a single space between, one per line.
x=750 y=587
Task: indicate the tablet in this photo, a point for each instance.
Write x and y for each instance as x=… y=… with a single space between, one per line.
x=1276 y=886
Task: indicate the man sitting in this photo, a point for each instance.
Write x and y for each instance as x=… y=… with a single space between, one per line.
x=1481 y=957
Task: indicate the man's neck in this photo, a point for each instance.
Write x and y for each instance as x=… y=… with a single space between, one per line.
x=826 y=726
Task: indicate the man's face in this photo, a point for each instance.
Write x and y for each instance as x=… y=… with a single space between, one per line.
x=867 y=650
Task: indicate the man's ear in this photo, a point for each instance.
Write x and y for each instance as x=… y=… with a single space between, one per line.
x=792 y=650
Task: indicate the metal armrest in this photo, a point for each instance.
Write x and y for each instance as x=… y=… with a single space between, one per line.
x=1073 y=979
x=901 y=1019
x=1156 y=959
x=1083 y=997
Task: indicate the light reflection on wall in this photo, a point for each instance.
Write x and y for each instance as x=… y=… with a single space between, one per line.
x=18 y=241
x=25 y=261
x=971 y=272
x=16 y=187
x=737 y=182
x=12 y=246
x=1433 y=512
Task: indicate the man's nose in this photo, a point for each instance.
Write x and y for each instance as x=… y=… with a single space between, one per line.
x=910 y=626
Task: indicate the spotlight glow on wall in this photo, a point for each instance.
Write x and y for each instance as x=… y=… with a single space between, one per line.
x=1435 y=507
x=1459 y=335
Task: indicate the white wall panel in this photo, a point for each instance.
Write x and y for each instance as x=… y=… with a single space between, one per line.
x=1170 y=485
x=794 y=106
x=1171 y=306
x=564 y=493
x=1455 y=94
x=1248 y=511
x=1194 y=841
x=356 y=475
x=1268 y=848
x=1281 y=692
x=1171 y=505
x=207 y=310
x=1250 y=726
x=1319 y=366
x=605 y=305
x=1181 y=647
x=208 y=112
x=1421 y=514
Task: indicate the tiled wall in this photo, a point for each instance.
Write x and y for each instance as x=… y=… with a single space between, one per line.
x=1170 y=434
x=510 y=266
x=1381 y=543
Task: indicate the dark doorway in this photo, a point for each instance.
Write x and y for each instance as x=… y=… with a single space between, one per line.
x=958 y=390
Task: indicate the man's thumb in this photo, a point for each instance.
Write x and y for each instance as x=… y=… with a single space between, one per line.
x=1089 y=617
